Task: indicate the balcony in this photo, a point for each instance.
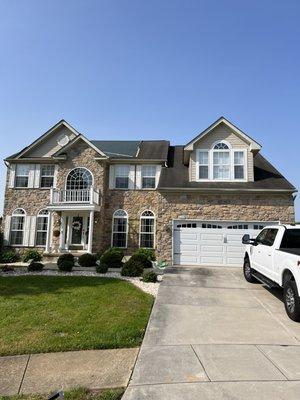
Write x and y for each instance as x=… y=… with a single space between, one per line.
x=74 y=197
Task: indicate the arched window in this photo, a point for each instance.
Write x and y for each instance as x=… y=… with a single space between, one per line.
x=120 y=229
x=17 y=227
x=42 y=221
x=221 y=161
x=147 y=229
x=78 y=179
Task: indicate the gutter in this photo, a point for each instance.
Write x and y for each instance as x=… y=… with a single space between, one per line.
x=203 y=190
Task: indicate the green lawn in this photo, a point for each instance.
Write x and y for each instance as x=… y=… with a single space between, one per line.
x=76 y=394
x=45 y=314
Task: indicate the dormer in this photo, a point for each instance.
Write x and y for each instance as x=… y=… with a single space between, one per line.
x=221 y=153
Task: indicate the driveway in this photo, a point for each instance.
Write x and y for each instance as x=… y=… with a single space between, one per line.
x=212 y=335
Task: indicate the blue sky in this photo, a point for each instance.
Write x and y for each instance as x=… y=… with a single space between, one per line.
x=151 y=69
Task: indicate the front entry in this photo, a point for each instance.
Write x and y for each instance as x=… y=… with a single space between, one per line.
x=75 y=231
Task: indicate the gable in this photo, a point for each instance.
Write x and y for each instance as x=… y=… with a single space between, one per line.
x=226 y=127
x=221 y=132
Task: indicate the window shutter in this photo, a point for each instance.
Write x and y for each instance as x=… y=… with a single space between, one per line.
x=37 y=175
x=7 y=230
x=26 y=230
x=157 y=176
x=12 y=173
x=131 y=176
x=111 y=176
x=55 y=176
x=138 y=177
x=31 y=241
x=31 y=176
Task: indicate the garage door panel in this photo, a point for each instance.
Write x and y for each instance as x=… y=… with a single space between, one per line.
x=188 y=236
x=212 y=260
x=235 y=249
x=188 y=248
x=213 y=236
x=212 y=249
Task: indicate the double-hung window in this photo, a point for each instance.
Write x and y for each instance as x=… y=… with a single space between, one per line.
x=122 y=176
x=148 y=176
x=47 y=176
x=42 y=227
x=203 y=165
x=239 y=162
x=147 y=229
x=120 y=229
x=17 y=227
x=22 y=175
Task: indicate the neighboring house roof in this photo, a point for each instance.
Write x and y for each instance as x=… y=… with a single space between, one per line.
x=176 y=176
x=154 y=150
x=222 y=120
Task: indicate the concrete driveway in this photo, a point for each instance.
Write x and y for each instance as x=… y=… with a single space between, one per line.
x=212 y=335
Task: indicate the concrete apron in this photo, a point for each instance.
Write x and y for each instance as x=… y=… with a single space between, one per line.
x=43 y=373
x=212 y=335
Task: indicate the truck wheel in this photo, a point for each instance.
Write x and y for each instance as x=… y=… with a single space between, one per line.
x=291 y=300
x=248 y=271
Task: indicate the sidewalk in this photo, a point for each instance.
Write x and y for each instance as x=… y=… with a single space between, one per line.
x=43 y=373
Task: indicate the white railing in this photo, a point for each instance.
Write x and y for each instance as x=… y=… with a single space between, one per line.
x=78 y=196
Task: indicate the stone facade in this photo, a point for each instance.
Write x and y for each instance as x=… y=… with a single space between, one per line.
x=167 y=206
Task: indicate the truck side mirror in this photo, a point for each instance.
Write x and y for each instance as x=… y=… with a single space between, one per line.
x=246 y=239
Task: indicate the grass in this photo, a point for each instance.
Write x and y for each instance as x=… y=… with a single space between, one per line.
x=48 y=314
x=76 y=394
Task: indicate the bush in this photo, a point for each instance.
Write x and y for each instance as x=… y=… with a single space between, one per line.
x=145 y=256
x=112 y=257
x=35 y=266
x=9 y=256
x=87 y=260
x=102 y=268
x=66 y=262
x=149 y=276
x=1 y=242
x=31 y=255
x=132 y=267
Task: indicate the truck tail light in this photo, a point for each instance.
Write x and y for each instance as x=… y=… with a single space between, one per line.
x=298 y=263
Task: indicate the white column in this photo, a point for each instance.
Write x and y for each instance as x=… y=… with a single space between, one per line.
x=91 y=228
x=62 y=232
x=68 y=233
x=48 y=238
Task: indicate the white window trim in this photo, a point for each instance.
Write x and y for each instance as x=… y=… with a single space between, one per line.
x=16 y=176
x=112 y=228
x=210 y=164
x=154 y=229
x=129 y=177
x=46 y=176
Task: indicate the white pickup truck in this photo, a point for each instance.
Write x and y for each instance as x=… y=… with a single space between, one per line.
x=273 y=258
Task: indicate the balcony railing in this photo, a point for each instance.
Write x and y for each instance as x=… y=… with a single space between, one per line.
x=74 y=196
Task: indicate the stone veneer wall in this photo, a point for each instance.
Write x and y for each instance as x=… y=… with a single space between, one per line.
x=169 y=206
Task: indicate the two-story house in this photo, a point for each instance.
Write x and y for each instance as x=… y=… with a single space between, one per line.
x=192 y=203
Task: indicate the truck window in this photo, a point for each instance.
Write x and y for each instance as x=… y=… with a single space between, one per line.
x=291 y=239
x=267 y=237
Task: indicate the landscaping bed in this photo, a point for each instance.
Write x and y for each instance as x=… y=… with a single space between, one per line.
x=60 y=313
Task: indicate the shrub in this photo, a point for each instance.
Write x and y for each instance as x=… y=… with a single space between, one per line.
x=87 y=260
x=7 y=268
x=9 y=256
x=32 y=255
x=1 y=241
x=35 y=266
x=102 y=268
x=66 y=262
x=132 y=267
x=112 y=257
x=146 y=256
x=149 y=276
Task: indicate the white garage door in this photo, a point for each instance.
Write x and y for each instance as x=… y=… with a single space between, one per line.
x=212 y=243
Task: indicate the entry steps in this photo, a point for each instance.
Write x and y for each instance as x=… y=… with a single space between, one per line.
x=263 y=279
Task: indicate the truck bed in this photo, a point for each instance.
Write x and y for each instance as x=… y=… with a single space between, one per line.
x=296 y=252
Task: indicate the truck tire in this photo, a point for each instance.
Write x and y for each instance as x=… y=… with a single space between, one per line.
x=291 y=300
x=248 y=271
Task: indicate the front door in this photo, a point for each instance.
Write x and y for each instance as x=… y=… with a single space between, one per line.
x=77 y=230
